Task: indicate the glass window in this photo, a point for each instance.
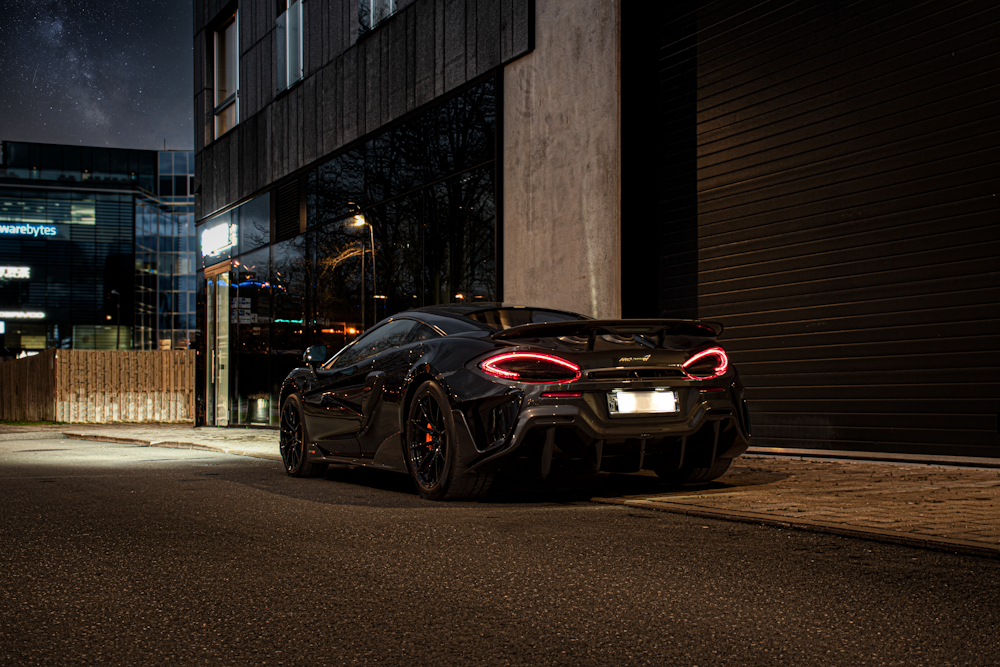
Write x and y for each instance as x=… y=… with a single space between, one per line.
x=373 y=12
x=422 y=332
x=166 y=164
x=336 y=289
x=217 y=239
x=180 y=186
x=389 y=335
x=251 y=333
x=255 y=223
x=226 y=77
x=180 y=163
x=459 y=264
x=505 y=318
x=398 y=232
x=336 y=188
x=289 y=45
x=118 y=161
x=289 y=278
x=226 y=61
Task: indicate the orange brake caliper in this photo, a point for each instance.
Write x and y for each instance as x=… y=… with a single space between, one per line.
x=428 y=437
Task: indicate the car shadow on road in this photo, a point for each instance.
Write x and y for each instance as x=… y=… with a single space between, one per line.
x=365 y=486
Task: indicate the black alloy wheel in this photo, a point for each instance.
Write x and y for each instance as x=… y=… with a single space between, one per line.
x=430 y=448
x=292 y=441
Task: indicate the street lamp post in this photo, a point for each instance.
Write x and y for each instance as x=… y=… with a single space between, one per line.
x=359 y=221
x=118 y=318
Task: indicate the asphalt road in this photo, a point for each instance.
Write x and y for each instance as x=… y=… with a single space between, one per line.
x=121 y=555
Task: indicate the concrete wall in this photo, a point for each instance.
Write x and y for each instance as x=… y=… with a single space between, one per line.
x=562 y=166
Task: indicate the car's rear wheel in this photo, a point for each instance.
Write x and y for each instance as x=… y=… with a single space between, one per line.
x=292 y=441
x=430 y=449
x=693 y=475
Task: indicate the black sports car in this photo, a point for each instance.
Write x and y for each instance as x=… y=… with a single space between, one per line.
x=453 y=394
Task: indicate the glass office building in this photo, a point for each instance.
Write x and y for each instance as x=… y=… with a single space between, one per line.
x=406 y=218
x=165 y=253
x=68 y=258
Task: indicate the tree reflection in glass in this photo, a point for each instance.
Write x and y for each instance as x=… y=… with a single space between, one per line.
x=427 y=188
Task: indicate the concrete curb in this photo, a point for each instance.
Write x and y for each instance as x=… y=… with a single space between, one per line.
x=32 y=435
x=172 y=444
x=925 y=542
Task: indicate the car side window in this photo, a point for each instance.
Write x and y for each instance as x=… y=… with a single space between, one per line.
x=389 y=335
x=422 y=332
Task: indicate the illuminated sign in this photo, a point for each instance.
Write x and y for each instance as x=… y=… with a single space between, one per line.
x=3 y=327
x=218 y=238
x=28 y=230
x=15 y=272
x=21 y=315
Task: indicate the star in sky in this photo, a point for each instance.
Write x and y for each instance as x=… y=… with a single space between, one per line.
x=97 y=72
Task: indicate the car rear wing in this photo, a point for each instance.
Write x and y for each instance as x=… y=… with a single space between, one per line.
x=658 y=329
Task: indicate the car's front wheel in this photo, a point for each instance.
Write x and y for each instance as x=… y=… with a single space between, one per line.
x=292 y=441
x=430 y=449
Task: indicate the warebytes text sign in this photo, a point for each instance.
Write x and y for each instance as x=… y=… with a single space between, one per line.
x=25 y=229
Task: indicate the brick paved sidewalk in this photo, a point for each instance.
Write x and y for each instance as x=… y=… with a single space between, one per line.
x=923 y=505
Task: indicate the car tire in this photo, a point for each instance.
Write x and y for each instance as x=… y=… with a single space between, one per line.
x=429 y=449
x=692 y=475
x=293 y=442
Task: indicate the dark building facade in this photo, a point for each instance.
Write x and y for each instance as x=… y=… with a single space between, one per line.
x=358 y=178
x=71 y=218
x=820 y=178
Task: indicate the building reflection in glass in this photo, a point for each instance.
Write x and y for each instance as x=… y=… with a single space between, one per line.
x=428 y=190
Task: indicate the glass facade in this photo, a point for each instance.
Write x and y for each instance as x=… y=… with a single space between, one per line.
x=78 y=288
x=165 y=258
x=78 y=164
x=406 y=219
x=90 y=256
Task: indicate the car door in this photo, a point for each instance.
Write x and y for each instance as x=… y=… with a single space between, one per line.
x=382 y=397
x=333 y=408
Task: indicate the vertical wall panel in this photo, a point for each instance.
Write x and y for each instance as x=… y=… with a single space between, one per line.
x=394 y=67
x=506 y=42
x=471 y=27
x=454 y=43
x=411 y=59
x=424 y=64
x=349 y=95
x=487 y=35
x=439 y=49
x=311 y=108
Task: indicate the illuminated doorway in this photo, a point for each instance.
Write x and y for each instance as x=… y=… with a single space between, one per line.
x=217 y=370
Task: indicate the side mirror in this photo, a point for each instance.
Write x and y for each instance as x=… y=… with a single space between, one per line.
x=314 y=355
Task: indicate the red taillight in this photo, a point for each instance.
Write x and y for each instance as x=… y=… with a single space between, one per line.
x=707 y=364
x=532 y=367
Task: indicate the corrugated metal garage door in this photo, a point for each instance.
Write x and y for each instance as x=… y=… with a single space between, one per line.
x=844 y=221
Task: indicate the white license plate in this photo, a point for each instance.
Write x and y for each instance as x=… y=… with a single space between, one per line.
x=642 y=402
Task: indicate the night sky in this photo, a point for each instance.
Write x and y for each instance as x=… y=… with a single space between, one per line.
x=97 y=72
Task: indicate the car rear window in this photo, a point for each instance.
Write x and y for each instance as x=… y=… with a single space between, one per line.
x=505 y=318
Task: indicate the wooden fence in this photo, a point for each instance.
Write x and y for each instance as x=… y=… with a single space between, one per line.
x=27 y=390
x=99 y=387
